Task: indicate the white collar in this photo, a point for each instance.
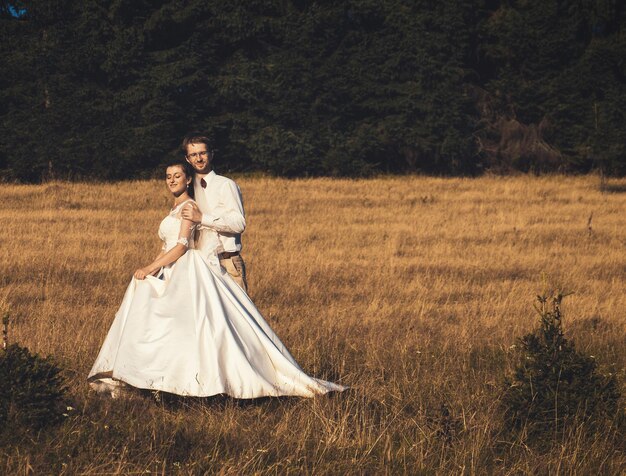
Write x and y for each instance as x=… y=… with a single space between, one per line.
x=210 y=175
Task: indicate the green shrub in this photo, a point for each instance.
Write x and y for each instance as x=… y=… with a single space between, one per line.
x=32 y=389
x=553 y=385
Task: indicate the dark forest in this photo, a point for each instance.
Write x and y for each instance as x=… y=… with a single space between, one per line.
x=95 y=89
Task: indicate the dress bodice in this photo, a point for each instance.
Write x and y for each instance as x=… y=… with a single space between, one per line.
x=169 y=229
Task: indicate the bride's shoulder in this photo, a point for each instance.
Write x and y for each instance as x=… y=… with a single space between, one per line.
x=181 y=205
x=177 y=210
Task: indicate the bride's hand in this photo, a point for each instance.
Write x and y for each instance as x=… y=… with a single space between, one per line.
x=141 y=273
x=192 y=213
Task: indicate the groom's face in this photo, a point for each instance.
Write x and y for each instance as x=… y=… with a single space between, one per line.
x=199 y=157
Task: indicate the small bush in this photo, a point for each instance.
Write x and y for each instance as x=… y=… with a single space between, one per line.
x=32 y=389
x=553 y=385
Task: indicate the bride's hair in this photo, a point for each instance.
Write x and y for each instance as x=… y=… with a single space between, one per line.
x=188 y=169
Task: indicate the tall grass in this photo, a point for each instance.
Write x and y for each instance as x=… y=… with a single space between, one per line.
x=411 y=290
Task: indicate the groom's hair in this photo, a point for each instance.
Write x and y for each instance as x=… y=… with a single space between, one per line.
x=196 y=138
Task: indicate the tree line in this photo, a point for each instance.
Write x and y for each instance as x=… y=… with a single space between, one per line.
x=106 y=89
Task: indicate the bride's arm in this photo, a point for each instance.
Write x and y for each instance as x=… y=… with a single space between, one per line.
x=186 y=228
x=161 y=253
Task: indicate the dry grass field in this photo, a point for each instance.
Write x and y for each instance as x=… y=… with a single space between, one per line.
x=411 y=290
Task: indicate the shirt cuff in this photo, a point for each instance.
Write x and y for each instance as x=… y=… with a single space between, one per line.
x=208 y=220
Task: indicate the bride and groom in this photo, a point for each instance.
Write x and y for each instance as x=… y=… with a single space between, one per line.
x=186 y=325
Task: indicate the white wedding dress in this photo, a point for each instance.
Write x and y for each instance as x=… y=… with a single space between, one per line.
x=195 y=332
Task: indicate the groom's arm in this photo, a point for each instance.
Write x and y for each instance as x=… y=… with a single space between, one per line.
x=227 y=217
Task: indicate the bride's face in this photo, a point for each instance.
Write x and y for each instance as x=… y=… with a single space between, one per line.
x=176 y=180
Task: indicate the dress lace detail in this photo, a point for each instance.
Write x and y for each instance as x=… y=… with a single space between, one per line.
x=170 y=229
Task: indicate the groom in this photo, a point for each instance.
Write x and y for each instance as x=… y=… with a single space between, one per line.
x=219 y=209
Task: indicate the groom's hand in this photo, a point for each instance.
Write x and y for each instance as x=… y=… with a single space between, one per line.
x=192 y=213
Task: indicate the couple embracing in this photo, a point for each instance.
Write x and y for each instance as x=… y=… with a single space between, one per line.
x=186 y=325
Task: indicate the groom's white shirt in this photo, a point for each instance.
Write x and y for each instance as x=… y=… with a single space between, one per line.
x=223 y=218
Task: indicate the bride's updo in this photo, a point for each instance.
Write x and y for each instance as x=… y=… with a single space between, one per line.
x=187 y=169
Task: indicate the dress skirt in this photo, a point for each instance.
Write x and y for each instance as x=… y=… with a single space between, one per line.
x=197 y=333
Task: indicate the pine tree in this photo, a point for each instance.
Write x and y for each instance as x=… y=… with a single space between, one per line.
x=554 y=385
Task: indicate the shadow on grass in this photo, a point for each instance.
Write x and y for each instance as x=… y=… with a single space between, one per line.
x=614 y=188
x=171 y=401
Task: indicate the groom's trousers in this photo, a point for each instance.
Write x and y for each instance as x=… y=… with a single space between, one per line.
x=235 y=266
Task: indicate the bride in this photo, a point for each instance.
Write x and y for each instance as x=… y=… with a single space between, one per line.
x=185 y=327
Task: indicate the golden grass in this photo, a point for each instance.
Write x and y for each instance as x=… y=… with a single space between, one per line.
x=411 y=290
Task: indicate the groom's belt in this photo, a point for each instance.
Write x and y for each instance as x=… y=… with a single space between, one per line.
x=228 y=254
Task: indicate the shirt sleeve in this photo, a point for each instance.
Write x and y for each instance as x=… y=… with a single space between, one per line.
x=228 y=216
